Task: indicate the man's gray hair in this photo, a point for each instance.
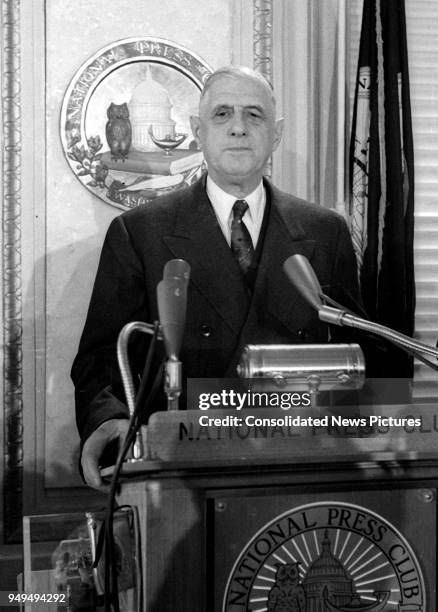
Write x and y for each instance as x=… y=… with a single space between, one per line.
x=236 y=71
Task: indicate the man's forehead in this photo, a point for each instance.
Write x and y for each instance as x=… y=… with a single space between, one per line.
x=238 y=90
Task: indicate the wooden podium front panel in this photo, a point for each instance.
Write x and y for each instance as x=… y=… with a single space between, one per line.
x=222 y=514
x=376 y=541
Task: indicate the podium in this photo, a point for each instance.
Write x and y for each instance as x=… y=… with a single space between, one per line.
x=276 y=515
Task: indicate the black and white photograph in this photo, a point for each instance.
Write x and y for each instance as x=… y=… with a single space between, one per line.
x=219 y=314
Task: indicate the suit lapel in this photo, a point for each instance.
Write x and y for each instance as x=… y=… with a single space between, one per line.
x=284 y=237
x=199 y=240
x=274 y=295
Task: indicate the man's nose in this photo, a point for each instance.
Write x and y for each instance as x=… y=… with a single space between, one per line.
x=238 y=125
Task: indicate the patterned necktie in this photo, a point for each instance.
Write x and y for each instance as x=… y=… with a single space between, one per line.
x=241 y=243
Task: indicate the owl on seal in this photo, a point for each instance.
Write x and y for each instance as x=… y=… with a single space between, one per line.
x=118 y=130
x=287 y=595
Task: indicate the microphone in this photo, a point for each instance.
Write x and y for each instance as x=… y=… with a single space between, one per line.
x=177 y=268
x=172 y=304
x=302 y=276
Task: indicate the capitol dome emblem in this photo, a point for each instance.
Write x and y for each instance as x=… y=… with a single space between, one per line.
x=125 y=120
x=326 y=557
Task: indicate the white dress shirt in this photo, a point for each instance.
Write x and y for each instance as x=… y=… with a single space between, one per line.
x=223 y=203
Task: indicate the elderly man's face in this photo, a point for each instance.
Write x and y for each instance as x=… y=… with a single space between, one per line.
x=237 y=131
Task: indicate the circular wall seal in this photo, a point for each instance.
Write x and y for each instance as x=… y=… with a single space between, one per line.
x=125 y=120
x=326 y=557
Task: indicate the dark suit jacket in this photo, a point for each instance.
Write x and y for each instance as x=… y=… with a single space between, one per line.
x=220 y=319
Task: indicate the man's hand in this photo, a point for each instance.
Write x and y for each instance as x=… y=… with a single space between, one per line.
x=94 y=447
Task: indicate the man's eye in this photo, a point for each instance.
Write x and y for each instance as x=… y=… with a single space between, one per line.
x=222 y=113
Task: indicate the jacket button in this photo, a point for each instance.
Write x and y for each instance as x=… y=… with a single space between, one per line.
x=302 y=334
x=206 y=331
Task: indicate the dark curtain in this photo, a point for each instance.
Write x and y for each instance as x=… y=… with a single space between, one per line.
x=382 y=177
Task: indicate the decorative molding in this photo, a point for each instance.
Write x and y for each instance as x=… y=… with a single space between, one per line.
x=262 y=24
x=11 y=273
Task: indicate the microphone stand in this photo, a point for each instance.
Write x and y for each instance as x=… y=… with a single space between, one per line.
x=335 y=316
x=172 y=382
x=172 y=298
x=136 y=451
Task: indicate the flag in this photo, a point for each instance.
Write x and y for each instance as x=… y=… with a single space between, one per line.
x=381 y=206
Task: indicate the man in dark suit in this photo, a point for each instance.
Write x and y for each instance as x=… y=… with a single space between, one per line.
x=235 y=230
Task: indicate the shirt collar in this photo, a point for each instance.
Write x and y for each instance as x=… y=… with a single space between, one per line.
x=223 y=202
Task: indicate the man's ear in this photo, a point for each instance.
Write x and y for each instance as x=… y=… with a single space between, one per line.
x=195 y=124
x=278 y=132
